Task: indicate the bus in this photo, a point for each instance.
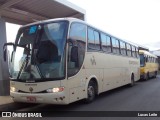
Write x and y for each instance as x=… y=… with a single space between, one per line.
x=63 y=60
x=148 y=65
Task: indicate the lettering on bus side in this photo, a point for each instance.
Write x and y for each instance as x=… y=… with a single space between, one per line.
x=93 y=61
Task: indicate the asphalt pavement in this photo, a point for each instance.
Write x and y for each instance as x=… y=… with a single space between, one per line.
x=144 y=96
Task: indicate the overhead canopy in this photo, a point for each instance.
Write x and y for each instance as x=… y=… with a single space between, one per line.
x=27 y=11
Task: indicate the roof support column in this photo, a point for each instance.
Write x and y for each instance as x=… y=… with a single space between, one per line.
x=4 y=74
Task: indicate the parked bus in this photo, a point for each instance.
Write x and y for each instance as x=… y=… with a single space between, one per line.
x=60 y=61
x=149 y=65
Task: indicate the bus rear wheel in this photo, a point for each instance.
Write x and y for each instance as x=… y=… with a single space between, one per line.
x=155 y=74
x=147 y=76
x=91 y=92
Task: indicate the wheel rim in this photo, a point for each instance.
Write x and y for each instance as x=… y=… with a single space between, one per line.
x=91 y=92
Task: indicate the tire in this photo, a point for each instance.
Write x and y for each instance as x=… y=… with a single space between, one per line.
x=91 y=92
x=147 y=76
x=155 y=74
x=132 y=80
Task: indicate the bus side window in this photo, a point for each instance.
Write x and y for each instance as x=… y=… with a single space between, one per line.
x=97 y=40
x=106 y=43
x=137 y=52
x=115 y=46
x=76 y=48
x=123 y=48
x=128 y=50
x=93 y=40
x=133 y=51
x=109 y=49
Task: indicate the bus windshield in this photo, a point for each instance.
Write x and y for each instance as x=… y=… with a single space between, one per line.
x=44 y=56
x=142 y=60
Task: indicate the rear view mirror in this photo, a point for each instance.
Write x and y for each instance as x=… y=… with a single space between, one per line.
x=5 y=54
x=74 y=54
x=5 y=51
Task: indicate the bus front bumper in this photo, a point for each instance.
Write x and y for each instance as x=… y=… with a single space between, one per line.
x=49 y=98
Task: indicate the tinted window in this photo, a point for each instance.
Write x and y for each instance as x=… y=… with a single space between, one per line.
x=123 y=48
x=134 y=51
x=109 y=49
x=106 y=43
x=115 y=46
x=129 y=50
x=76 y=48
x=93 y=39
x=97 y=40
x=78 y=31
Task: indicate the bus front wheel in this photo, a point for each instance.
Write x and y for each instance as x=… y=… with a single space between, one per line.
x=91 y=92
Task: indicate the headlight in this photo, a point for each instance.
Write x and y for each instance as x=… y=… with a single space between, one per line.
x=12 y=89
x=53 y=90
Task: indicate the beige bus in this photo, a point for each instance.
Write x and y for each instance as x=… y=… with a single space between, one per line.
x=149 y=65
x=60 y=61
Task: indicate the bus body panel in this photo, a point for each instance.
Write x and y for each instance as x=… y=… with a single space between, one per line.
x=76 y=86
x=108 y=69
x=111 y=70
x=38 y=92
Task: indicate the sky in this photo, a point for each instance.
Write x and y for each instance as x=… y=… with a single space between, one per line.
x=137 y=21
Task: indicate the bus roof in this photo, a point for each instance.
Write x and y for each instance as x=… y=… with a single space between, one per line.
x=147 y=53
x=70 y=19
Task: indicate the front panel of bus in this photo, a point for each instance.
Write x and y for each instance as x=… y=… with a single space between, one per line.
x=46 y=65
x=39 y=63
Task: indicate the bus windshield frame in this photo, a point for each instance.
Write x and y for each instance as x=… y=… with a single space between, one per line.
x=46 y=59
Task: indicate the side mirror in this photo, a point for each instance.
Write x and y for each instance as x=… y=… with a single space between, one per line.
x=5 y=55
x=74 y=54
x=5 y=50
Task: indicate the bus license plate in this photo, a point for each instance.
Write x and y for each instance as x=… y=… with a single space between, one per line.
x=31 y=99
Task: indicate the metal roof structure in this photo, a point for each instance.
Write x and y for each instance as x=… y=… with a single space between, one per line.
x=28 y=11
